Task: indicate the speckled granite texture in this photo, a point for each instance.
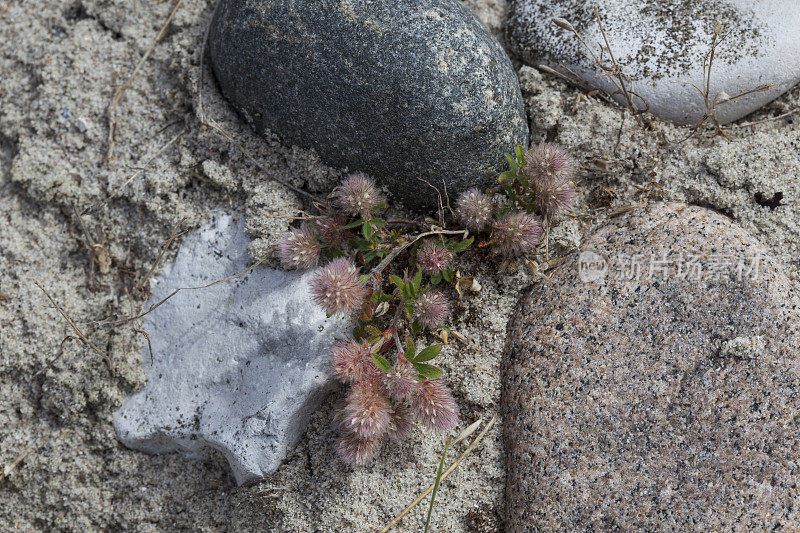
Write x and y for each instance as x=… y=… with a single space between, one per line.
x=661 y=45
x=402 y=90
x=626 y=406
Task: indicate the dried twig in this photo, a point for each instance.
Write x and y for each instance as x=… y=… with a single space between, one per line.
x=440 y=210
x=137 y=173
x=613 y=70
x=769 y=119
x=112 y=122
x=149 y=346
x=446 y=473
x=721 y=98
x=13 y=465
x=160 y=255
x=176 y=291
x=399 y=249
x=77 y=330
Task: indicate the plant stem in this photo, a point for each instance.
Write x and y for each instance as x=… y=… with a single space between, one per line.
x=436 y=484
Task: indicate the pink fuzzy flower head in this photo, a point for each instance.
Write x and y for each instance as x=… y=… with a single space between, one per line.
x=337 y=288
x=433 y=257
x=331 y=229
x=547 y=161
x=554 y=196
x=367 y=411
x=352 y=362
x=357 y=194
x=432 y=309
x=516 y=233
x=475 y=210
x=402 y=382
x=299 y=248
x=356 y=450
x=549 y=170
x=401 y=425
x=434 y=406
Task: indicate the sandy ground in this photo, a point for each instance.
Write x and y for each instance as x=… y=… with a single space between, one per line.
x=60 y=64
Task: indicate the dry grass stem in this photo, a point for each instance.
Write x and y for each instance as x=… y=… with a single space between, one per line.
x=160 y=255
x=446 y=473
x=721 y=98
x=77 y=330
x=176 y=291
x=112 y=122
x=15 y=463
x=612 y=70
x=137 y=173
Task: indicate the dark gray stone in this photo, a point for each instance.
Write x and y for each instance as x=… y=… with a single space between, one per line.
x=667 y=402
x=398 y=89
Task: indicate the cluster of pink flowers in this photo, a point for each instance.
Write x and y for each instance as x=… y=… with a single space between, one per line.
x=382 y=404
x=548 y=170
x=382 y=400
x=300 y=248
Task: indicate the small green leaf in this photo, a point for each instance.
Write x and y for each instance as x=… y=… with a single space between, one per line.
x=506 y=176
x=367 y=230
x=520 y=155
x=463 y=245
x=428 y=371
x=378 y=222
x=355 y=224
x=511 y=161
x=381 y=363
x=396 y=280
x=447 y=274
x=428 y=353
x=416 y=329
x=410 y=349
x=436 y=278
x=405 y=291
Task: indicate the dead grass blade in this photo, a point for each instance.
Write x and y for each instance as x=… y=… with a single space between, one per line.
x=160 y=255
x=176 y=291
x=14 y=464
x=77 y=330
x=447 y=472
x=112 y=122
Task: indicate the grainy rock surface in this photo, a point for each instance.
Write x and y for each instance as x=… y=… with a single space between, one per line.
x=238 y=367
x=401 y=90
x=625 y=405
x=660 y=44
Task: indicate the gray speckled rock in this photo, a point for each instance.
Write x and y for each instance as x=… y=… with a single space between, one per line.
x=239 y=366
x=400 y=90
x=660 y=42
x=670 y=402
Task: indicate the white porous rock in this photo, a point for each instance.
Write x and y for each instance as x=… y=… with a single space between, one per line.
x=239 y=366
x=662 y=44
